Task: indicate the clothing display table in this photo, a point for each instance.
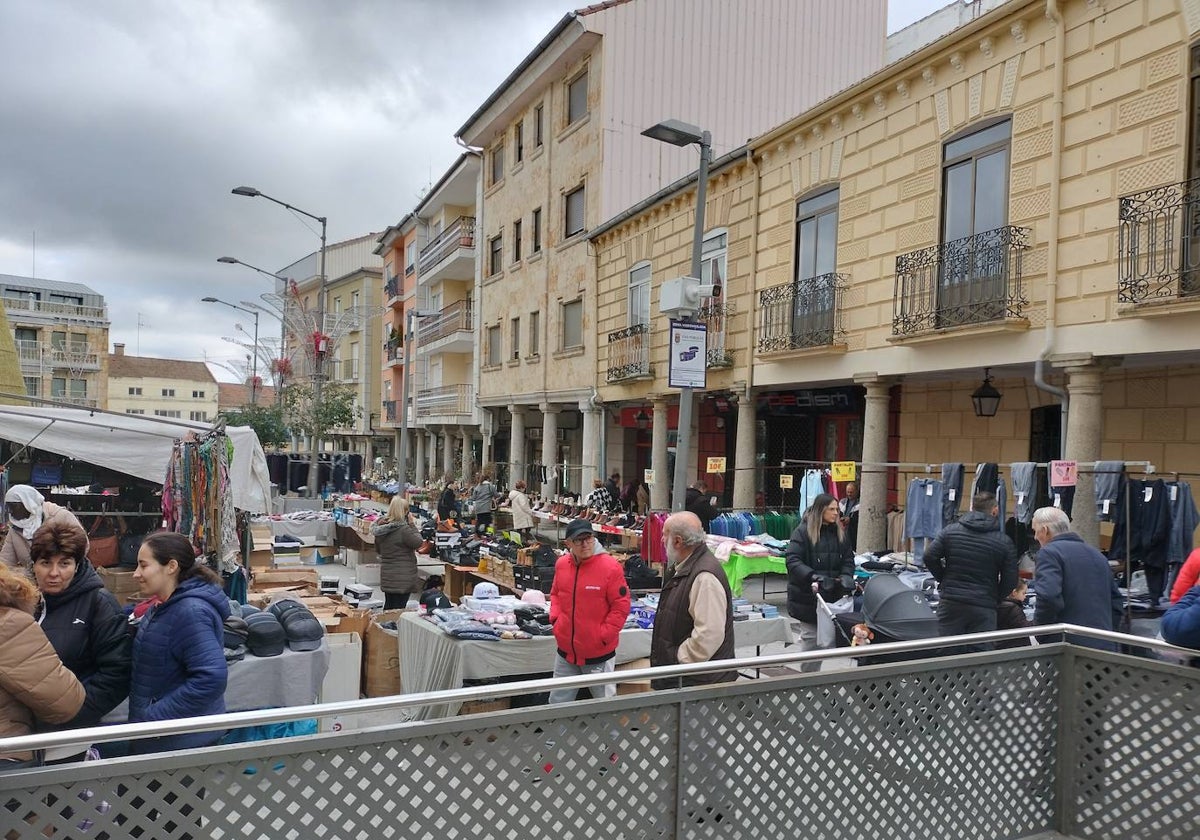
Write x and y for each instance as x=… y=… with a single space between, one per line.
x=461 y=580
x=322 y=531
x=430 y=660
x=739 y=567
x=265 y=682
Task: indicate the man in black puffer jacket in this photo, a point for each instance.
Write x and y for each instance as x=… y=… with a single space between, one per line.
x=976 y=565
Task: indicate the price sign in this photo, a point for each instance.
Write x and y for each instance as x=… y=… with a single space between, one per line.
x=785 y=481
x=716 y=465
x=648 y=476
x=1064 y=473
x=843 y=471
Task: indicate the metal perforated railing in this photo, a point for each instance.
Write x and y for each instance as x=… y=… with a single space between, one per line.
x=1005 y=744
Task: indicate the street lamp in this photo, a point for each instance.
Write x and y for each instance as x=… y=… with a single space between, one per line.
x=314 y=471
x=410 y=315
x=679 y=133
x=254 y=362
x=282 y=320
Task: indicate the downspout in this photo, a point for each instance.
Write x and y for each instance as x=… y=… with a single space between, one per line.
x=1060 y=37
x=597 y=404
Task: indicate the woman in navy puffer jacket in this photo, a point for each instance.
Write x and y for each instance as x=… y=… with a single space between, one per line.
x=179 y=666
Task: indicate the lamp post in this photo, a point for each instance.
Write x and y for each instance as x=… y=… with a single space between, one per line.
x=402 y=456
x=314 y=470
x=679 y=133
x=254 y=362
x=282 y=320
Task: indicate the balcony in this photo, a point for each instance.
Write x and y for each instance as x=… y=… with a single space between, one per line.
x=1158 y=244
x=450 y=331
x=72 y=356
x=715 y=316
x=391 y=289
x=445 y=401
x=451 y=255
x=393 y=355
x=801 y=315
x=85 y=402
x=973 y=280
x=390 y=411
x=629 y=354
x=54 y=310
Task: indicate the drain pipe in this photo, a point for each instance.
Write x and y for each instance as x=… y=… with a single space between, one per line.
x=597 y=404
x=1060 y=36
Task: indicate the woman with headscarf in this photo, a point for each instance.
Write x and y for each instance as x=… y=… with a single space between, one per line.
x=83 y=621
x=34 y=683
x=28 y=511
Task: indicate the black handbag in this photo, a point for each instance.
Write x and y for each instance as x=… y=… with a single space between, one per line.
x=129 y=547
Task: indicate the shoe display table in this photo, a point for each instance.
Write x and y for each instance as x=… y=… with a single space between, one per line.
x=461 y=580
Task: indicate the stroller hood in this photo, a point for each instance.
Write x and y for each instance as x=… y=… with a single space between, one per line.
x=891 y=607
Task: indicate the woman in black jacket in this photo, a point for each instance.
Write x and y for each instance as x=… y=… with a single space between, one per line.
x=448 y=502
x=82 y=619
x=818 y=553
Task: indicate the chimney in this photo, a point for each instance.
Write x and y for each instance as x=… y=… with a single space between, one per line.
x=118 y=349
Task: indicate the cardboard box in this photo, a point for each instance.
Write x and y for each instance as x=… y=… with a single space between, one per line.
x=285 y=578
x=381 y=656
x=261 y=559
x=119 y=582
x=633 y=686
x=317 y=555
x=351 y=620
x=479 y=707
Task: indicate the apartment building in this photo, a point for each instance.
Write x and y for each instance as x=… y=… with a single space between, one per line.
x=171 y=388
x=60 y=332
x=1004 y=206
x=398 y=249
x=562 y=151
x=352 y=331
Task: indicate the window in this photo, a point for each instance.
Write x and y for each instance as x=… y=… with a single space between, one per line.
x=573 y=215
x=814 y=304
x=197 y=395
x=33 y=386
x=519 y=142
x=535 y=246
x=410 y=257
x=495 y=255
x=202 y=416
x=354 y=300
x=25 y=334
x=354 y=360
x=159 y=412
x=58 y=340
x=168 y=392
x=572 y=324
x=537 y=125
x=577 y=94
x=498 y=164
x=534 y=327
x=712 y=257
x=639 y=294
x=516 y=338
x=58 y=387
x=517 y=241
x=135 y=411
x=972 y=278
x=78 y=388
x=493 y=345
x=135 y=392
x=78 y=343
x=337 y=306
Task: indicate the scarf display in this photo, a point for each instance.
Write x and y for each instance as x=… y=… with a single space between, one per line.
x=197 y=499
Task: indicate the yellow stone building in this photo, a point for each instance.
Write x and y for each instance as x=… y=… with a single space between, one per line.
x=1010 y=200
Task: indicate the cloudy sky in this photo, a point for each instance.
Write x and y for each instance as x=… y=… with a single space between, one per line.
x=127 y=122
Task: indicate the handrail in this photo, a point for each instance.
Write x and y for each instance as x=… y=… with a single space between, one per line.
x=229 y=720
x=462 y=229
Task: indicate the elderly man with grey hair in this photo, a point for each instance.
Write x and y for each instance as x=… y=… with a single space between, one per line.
x=1072 y=580
x=694 y=621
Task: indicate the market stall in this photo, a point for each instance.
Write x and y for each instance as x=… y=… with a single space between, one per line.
x=430 y=660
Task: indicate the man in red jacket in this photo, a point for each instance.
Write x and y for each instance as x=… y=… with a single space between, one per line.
x=589 y=602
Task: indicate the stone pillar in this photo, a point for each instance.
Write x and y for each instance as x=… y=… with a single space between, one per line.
x=1085 y=433
x=396 y=451
x=745 y=476
x=549 y=447
x=592 y=418
x=468 y=461
x=872 y=484
x=419 y=461
x=447 y=453
x=660 y=490
x=516 y=445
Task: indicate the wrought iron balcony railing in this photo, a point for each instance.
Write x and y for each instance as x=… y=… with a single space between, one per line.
x=445 y=400
x=454 y=318
x=460 y=234
x=973 y=280
x=391 y=289
x=803 y=314
x=394 y=352
x=1158 y=244
x=389 y=411
x=629 y=353
x=715 y=315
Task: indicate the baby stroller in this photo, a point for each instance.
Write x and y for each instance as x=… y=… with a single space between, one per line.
x=892 y=612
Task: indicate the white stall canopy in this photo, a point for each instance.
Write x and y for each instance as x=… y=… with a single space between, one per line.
x=134 y=445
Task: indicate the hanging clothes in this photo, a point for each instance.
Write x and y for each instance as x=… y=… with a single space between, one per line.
x=653 y=550
x=986 y=476
x=1147 y=530
x=1108 y=477
x=1184 y=521
x=923 y=513
x=1023 y=475
x=811 y=486
x=1001 y=502
x=1061 y=496
x=952 y=487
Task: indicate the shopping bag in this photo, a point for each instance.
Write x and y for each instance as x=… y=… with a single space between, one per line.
x=103 y=551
